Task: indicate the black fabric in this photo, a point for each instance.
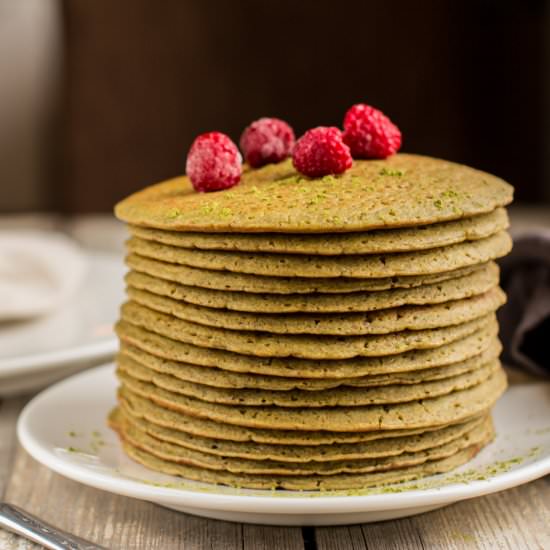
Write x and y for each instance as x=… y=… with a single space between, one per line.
x=525 y=319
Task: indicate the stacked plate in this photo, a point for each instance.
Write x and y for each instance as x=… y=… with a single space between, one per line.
x=330 y=333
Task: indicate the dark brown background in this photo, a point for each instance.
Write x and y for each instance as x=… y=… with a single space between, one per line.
x=464 y=81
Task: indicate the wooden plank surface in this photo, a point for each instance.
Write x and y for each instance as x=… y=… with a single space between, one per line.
x=9 y=410
x=515 y=519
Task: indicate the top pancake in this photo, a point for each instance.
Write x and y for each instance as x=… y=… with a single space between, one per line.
x=403 y=190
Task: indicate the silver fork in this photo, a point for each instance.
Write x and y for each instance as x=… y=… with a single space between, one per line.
x=20 y=522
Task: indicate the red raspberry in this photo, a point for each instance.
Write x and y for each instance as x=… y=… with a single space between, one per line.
x=370 y=133
x=213 y=162
x=320 y=152
x=267 y=140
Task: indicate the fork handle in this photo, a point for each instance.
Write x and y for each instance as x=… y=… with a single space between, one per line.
x=20 y=522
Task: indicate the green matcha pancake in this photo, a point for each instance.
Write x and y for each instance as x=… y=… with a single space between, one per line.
x=218 y=378
x=368 y=266
x=477 y=282
x=129 y=371
x=348 y=324
x=140 y=408
x=301 y=453
x=183 y=455
x=436 y=411
x=480 y=335
x=262 y=344
x=403 y=190
x=313 y=334
x=228 y=281
x=302 y=483
x=388 y=240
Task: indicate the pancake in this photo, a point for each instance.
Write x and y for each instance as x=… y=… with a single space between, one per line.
x=141 y=408
x=387 y=240
x=354 y=482
x=302 y=453
x=242 y=282
x=330 y=333
x=437 y=411
x=347 y=324
x=130 y=371
x=218 y=378
x=481 y=334
x=262 y=344
x=367 y=266
x=182 y=455
x=400 y=191
x=477 y=282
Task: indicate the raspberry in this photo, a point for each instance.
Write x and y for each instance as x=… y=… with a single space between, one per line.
x=320 y=152
x=267 y=140
x=213 y=162
x=370 y=133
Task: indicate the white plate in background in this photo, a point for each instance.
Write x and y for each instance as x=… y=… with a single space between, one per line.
x=37 y=352
x=64 y=428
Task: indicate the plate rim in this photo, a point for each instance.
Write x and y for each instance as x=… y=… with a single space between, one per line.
x=278 y=504
x=52 y=359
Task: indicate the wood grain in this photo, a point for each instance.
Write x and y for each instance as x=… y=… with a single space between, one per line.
x=9 y=411
x=515 y=519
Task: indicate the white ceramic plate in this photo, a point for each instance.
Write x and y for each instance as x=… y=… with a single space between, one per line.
x=64 y=429
x=38 y=352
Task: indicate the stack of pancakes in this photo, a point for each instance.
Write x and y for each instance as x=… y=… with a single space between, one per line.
x=300 y=333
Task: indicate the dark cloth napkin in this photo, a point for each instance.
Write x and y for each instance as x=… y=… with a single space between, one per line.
x=525 y=319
